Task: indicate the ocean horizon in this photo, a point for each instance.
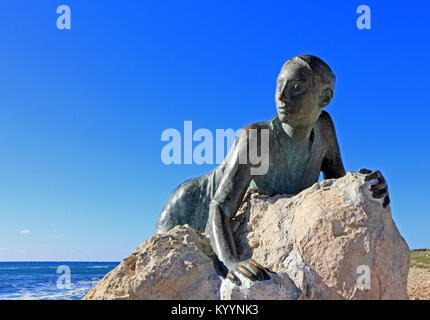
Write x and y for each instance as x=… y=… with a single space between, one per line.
x=50 y=280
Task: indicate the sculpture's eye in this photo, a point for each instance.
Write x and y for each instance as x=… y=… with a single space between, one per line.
x=297 y=88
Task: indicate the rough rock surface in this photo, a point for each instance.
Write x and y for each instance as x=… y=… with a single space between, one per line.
x=325 y=238
x=331 y=241
x=175 y=265
x=279 y=287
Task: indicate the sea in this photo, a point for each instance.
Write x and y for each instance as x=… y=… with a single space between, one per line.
x=50 y=280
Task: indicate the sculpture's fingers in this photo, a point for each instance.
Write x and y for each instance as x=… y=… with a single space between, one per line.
x=245 y=271
x=364 y=171
x=261 y=268
x=254 y=269
x=233 y=278
x=374 y=175
x=386 y=202
x=378 y=186
x=379 y=194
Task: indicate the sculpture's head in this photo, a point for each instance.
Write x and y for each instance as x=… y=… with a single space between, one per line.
x=305 y=86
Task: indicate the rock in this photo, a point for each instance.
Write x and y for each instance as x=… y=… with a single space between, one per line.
x=331 y=241
x=325 y=238
x=279 y=287
x=175 y=265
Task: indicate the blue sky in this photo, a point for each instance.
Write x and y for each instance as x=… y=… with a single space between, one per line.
x=82 y=110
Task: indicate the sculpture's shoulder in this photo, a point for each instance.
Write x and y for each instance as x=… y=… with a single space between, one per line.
x=243 y=139
x=260 y=125
x=244 y=135
x=325 y=125
x=325 y=119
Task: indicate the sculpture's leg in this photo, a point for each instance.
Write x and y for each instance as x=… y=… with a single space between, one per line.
x=188 y=204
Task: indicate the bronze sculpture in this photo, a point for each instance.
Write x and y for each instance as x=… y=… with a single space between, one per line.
x=302 y=143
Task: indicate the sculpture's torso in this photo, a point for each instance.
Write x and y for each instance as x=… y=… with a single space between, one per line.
x=293 y=167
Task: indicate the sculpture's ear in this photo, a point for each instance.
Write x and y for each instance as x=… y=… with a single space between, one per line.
x=325 y=97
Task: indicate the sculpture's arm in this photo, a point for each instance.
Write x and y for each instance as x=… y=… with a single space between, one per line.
x=332 y=165
x=227 y=199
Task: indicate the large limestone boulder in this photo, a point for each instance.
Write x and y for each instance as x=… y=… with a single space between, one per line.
x=175 y=265
x=334 y=240
x=331 y=241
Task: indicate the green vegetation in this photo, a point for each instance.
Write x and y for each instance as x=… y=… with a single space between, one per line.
x=420 y=258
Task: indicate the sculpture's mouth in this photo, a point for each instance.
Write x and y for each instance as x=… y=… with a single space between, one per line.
x=284 y=109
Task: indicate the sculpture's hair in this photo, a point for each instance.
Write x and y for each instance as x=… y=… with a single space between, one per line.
x=317 y=66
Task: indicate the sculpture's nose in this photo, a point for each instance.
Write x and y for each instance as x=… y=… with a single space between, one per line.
x=283 y=96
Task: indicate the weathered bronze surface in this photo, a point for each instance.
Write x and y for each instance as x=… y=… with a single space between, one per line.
x=302 y=143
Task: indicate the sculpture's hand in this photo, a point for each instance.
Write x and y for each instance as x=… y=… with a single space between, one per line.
x=250 y=269
x=379 y=189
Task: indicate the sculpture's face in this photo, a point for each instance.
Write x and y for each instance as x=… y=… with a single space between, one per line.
x=298 y=94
